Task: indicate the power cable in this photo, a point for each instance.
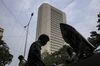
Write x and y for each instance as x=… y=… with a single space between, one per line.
x=12 y=15
x=19 y=24
x=9 y=11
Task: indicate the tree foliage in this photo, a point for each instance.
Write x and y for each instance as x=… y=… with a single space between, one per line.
x=5 y=56
x=95 y=37
x=98 y=26
x=59 y=57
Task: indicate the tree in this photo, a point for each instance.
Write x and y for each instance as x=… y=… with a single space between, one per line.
x=5 y=56
x=95 y=37
x=98 y=26
x=63 y=56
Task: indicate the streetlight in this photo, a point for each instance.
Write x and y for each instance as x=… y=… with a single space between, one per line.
x=27 y=31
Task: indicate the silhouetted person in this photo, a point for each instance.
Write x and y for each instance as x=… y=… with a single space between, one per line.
x=34 y=56
x=22 y=61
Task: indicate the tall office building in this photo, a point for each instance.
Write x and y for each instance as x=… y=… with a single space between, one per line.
x=49 y=19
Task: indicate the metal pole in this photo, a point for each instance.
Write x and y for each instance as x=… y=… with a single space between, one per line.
x=27 y=31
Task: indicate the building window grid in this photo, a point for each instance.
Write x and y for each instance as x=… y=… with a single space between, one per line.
x=55 y=30
x=56 y=41
x=52 y=51
x=52 y=44
x=55 y=48
x=55 y=36
x=56 y=44
x=55 y=27
x=55 y=12
x=54 y=15
x=56 y=19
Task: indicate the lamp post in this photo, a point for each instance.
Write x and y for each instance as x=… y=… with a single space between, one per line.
x=27 y=31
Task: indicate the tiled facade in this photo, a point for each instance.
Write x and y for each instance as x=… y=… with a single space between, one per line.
x=56 y=37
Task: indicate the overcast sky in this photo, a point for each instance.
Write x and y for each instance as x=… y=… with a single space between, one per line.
x=15 y=14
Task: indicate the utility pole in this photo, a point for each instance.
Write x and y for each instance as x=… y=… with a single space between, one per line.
x=27 y=31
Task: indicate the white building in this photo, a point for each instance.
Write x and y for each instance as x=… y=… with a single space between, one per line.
x=49 y=19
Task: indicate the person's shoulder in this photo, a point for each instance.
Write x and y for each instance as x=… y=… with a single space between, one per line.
x=36 y=43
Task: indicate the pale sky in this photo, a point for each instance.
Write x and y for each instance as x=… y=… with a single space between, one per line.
x=15 y=14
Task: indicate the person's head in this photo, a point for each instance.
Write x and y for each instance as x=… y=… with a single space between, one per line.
x=43 y=39
x=20 y=57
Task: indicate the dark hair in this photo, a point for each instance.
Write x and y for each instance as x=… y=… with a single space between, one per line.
x=43 y=36
x=20 y=57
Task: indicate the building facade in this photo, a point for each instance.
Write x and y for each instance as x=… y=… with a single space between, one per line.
x=49 y=19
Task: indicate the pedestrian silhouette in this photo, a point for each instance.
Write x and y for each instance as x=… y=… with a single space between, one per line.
x=34 y=56
x=22 y=61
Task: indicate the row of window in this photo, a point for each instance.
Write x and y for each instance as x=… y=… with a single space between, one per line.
x=55 y=34
x=56 y=45
x=57 y=41
x=56 y=37
x=59 y=20
x=55 y=48
x=53 y=29
x=55 y=12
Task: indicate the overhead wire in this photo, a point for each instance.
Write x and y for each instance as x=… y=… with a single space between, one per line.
x=9 y=10
x=17 y=21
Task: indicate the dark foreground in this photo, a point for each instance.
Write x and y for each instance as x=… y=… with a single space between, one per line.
x=91 y=61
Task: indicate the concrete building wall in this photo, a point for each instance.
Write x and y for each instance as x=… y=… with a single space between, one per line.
x=49 y=19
